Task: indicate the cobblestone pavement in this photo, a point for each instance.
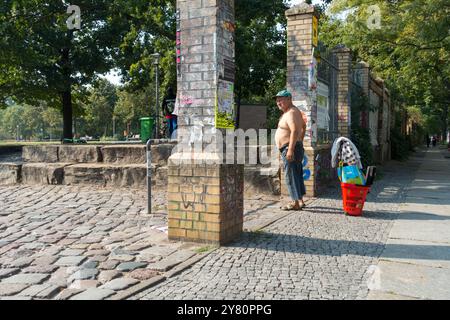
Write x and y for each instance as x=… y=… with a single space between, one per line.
x=64 y=242
x=319 y=253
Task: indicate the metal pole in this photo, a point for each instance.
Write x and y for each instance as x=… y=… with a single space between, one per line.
x=149 y=176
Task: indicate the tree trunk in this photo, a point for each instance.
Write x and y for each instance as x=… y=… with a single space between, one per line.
x=67 y=91
x=67 y=115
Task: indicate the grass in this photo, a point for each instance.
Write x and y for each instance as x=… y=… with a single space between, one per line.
x=205 y=249
x=26 y=143
x=37 y=143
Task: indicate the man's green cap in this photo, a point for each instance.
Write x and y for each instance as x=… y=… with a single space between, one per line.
x=283 y=93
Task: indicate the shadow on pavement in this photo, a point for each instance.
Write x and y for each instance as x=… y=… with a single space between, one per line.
x=335 y=248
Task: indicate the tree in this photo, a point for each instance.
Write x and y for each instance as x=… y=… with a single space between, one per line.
x=410 y=49
x=45 y=61
x=131 y=106
x=98 y=111
x=148 y=27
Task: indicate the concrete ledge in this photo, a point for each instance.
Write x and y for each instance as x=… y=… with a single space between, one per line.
x=40 y=153
x=10 y=173
x=124 y=154
x=258 y=180
x=138 y=288
x=43 y=173
x=161 y=153
x=80 y=154
x=133 y=175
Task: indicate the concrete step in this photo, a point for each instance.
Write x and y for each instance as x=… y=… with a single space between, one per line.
x=111 y=175
x=10 y=173
x=62 y=153
x=40 y=153
x=79 y=154
x=43 y=173
x=123 y=154
x=261 y=180
x=126 y=154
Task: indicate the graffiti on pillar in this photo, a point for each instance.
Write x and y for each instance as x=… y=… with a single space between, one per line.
x=306 y=171
x=178 y=43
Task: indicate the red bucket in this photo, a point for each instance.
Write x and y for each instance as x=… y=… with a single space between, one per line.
x=354 y=197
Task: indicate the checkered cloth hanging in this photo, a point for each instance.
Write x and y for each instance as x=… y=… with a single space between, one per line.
x=347 y=155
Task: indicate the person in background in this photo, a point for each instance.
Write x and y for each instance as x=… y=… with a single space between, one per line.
x=168 y=105
x=289 y=139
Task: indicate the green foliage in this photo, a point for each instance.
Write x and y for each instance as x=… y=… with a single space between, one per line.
x=361 y=138
x=400 y=145
x=98 y=111
x=131 y=106
x=260 y=46
x=410 y=50
x=30 y=122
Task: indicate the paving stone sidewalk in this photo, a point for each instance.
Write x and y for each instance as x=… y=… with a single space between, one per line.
x=319 y=253
x=72 y=242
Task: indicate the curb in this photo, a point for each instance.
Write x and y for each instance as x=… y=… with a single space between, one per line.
x=138 y=288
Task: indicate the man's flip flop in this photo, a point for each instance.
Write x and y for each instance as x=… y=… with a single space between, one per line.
x=290 y=207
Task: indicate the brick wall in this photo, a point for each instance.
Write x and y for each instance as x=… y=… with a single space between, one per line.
x=344 y=93
x=205 y=202
x=205 y=198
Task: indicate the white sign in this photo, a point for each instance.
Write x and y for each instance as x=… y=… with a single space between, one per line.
x=323 y=103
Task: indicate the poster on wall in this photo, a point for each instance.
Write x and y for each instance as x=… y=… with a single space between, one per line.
x=312 y=74
x=225 y=105
x=323 y=116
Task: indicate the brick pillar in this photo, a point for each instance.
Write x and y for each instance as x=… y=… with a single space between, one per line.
x=299 y=58
x=304 y=96
x=344 y=87
x=205 y=196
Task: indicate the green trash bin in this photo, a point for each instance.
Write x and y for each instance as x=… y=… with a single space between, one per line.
x=146 y=128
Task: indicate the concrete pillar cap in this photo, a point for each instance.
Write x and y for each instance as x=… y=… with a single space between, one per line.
x=341 y=49
x=301 y=8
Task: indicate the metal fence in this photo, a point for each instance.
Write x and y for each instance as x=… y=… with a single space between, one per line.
x=327 y=74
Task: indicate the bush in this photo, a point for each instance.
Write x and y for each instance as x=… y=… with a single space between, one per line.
x=361 y=138
x=400 y=145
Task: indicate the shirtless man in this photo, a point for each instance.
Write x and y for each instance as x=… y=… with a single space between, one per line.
x=289 y=139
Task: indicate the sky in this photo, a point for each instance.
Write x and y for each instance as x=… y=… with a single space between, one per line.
x=114 y=78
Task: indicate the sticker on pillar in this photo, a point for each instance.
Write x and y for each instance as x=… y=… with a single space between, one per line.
x=315 y=31
x=312 y=74
x=306 y=171
x=225 y=105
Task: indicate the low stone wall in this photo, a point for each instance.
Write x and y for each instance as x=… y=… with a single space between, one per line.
x=107 y=175
x=10 y=173
x=122 y=166
x=43 y=173
x=47 y=154
x=79 y=154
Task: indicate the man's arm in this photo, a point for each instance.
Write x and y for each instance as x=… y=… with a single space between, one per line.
x=303 y=126
x=295 y=125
